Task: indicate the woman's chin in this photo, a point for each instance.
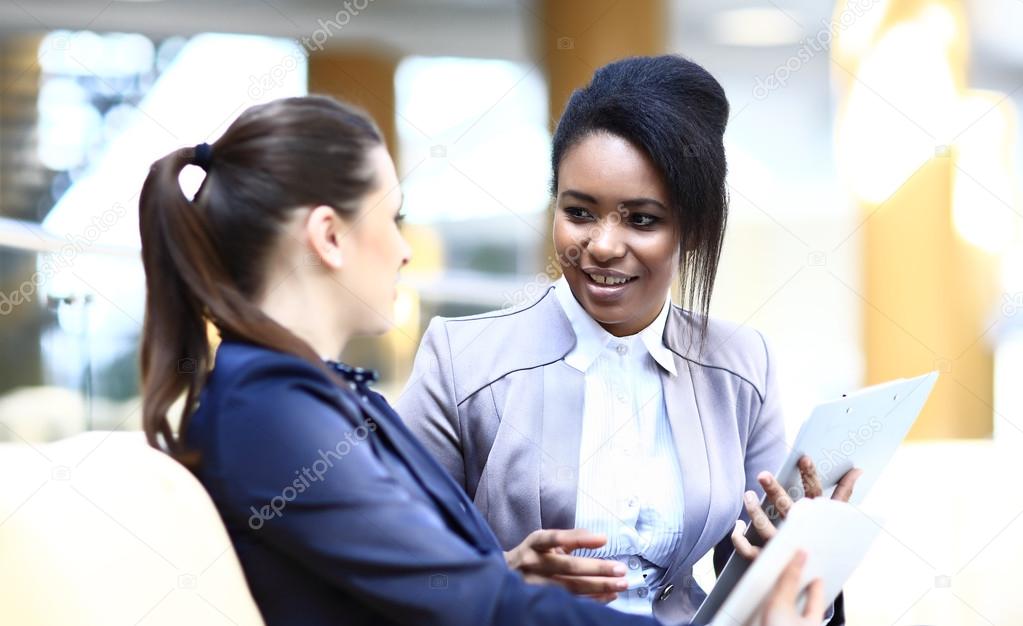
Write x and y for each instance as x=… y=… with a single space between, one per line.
x=380 y=324
x=382 y=328
x=609 y=318
x=606 y=315
x=617 y=320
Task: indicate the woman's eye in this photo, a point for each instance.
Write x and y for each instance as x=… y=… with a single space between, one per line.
x=642 y=219
x=577 y=213
x=399 y=219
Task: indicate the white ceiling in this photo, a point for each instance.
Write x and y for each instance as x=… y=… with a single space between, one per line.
x=481 y=27
x=487 y=28
x=792 y=133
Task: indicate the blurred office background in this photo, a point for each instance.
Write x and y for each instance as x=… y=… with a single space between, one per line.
x=874 y=155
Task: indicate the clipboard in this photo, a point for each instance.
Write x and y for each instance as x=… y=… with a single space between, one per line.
x=863 y=430
x=812 y=526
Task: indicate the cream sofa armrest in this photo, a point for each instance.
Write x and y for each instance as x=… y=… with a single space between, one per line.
x=101 y=529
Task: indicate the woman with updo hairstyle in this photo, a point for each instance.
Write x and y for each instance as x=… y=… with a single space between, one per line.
x=602 y=404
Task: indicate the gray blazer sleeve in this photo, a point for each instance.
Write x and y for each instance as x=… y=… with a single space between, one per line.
x=429 y=405
x=766 y=447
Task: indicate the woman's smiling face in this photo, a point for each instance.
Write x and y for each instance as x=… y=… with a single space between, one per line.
x=614 y=232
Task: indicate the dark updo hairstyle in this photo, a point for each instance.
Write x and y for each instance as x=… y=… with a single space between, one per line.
x=676 y=112
x=206 y=259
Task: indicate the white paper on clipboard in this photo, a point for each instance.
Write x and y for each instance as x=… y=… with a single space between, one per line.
x=863 y=430
x=835 y=537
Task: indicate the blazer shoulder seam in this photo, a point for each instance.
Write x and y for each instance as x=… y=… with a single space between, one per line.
x=490 y=315
x=767 y=372
x=490 y=383
x=760 y=394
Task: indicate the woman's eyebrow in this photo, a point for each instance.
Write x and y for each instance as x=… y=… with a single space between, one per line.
x=631 y=203
x=578 y=195
x=638 y=202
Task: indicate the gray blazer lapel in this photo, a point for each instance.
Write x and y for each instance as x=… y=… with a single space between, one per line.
x=563 y=389
x=688 y=432
x=690 y=435
x=509 y=483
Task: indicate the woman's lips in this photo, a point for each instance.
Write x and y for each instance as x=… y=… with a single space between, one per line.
x=598 y=288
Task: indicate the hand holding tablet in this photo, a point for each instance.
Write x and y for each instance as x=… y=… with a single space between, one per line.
x=861 y=430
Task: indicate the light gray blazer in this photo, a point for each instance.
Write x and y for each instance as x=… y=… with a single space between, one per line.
x=493 y=399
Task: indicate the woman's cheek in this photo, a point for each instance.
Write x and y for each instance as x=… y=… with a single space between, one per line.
x=570 y=243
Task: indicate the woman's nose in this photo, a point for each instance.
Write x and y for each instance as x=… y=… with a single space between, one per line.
x=606 y=243
x=406 y=252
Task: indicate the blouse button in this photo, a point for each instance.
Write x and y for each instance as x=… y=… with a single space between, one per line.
x=641 y=592
x=622 y=349
x=633 y=562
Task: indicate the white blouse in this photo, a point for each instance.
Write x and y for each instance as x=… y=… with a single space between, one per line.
x=630 y=482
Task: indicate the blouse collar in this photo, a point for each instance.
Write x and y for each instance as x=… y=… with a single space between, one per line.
x=591 y=338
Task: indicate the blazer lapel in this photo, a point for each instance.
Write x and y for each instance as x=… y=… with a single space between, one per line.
x=688 y=432
x=563 y=389
x=429 y=474
x=690 y=439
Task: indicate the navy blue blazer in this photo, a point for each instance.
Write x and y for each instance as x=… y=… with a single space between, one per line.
x=338 y=514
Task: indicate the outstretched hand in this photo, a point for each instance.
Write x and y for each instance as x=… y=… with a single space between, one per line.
x=544 y=558
x=782 y=502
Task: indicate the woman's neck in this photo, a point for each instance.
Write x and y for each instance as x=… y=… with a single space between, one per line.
x=298 y=305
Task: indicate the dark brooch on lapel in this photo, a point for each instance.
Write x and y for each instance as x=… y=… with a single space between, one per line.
x=357 y=375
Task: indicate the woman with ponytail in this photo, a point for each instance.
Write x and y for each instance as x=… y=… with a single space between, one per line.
x=339 y=516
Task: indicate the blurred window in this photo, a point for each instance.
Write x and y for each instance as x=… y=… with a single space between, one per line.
x=71 y=282
x=474 y=152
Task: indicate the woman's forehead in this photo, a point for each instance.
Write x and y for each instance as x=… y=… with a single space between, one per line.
x=610 y=169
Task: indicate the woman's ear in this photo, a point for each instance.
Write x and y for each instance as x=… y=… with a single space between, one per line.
x=325 y=229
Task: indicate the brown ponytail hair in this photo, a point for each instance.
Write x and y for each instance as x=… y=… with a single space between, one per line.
x=205 y=259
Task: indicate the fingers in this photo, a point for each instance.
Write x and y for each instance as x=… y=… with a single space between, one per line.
x=567 y=540
x=759 y=520
x=844 y=488
x=592 y=585
x=567 y=565
x=814 y=609
x=787 y=588
x=781 y=604
x=776 y=494
x=543 y=558
x=742 y=545
x=811 y=481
